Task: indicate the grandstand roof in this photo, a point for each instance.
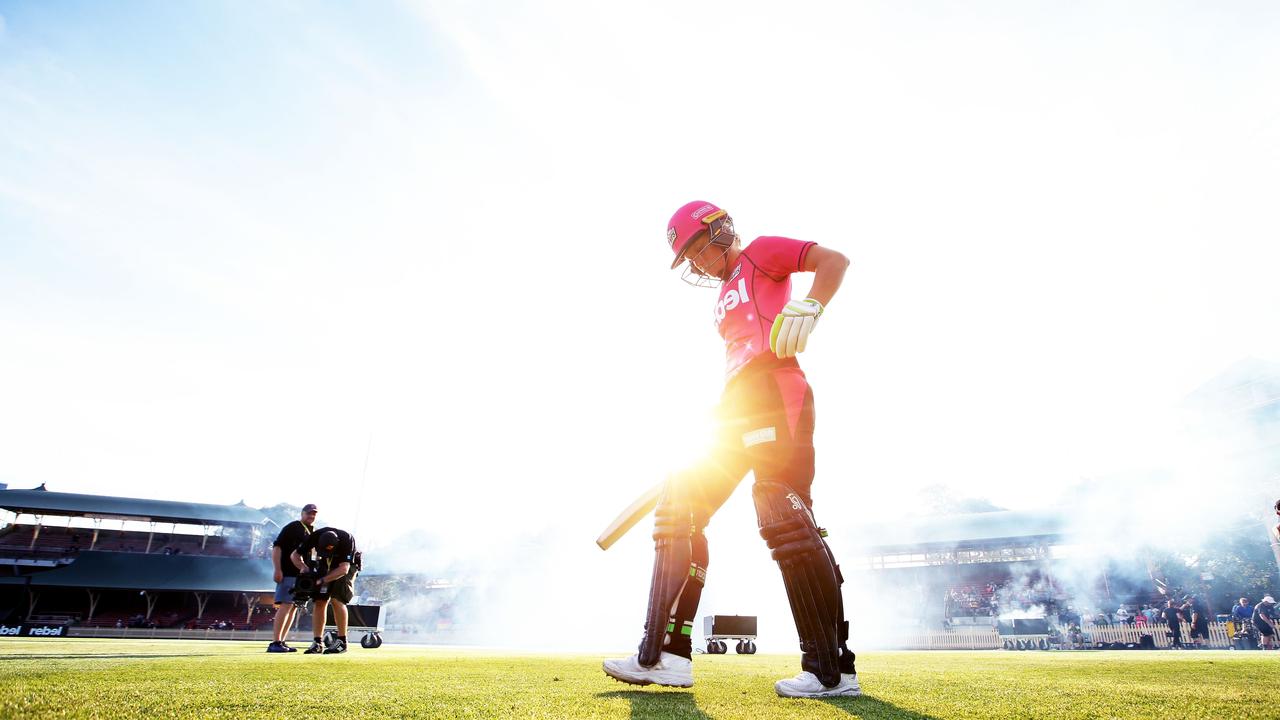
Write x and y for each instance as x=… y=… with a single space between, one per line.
x=970 y=530
x=132 y=571
x=44 y=502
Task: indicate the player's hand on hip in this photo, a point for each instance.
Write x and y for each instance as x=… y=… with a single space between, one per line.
x=791 y=328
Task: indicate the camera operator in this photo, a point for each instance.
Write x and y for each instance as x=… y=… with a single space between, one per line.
x=286 y=574
x=334 y=566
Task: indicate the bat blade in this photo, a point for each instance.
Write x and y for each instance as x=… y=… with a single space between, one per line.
x=628 y=518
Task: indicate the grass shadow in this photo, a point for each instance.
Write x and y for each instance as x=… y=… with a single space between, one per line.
x=871 y=708
x=649 y=704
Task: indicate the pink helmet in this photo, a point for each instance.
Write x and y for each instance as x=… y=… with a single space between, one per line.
x=690 y=221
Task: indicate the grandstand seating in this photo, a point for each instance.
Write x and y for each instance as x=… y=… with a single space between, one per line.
x=47 y=575
x=63 y=541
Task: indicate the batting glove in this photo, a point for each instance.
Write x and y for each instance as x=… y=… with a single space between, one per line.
x=792 y=327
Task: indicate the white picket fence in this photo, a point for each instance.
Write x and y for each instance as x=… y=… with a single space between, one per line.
x=1218 y=637
x=976 y=639
x=989 y=639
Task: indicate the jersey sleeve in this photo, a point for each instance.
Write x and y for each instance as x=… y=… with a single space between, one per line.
x=778 y=257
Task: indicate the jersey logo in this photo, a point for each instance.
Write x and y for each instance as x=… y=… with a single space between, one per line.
x=732 y=299
x=735 y=272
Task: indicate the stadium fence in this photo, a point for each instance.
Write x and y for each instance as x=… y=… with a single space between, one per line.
x=989 y=639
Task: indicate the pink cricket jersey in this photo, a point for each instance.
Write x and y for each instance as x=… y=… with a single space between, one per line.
x=756 y=291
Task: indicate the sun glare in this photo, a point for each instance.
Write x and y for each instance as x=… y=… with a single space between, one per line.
x=697 y=430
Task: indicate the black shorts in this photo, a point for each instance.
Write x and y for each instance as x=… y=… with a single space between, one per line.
x=342 y=589
x=1265 y=629
x=1200 y=630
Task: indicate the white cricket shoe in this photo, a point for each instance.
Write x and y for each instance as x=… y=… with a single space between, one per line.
x=807 y=685
x=670 y=670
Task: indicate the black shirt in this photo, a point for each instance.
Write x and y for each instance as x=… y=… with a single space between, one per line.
x=290 y=537
x=1194 y=612
x=1261 y=611
x=344 y=551
x=1171 y=615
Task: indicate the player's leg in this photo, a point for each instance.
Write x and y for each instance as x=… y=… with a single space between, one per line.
x=811 y=582
x=319 y=609
x=679 y=573
x=340 y=617
x=340 y=622
x=283 y=600
x=341 y=591
x=783 y=459
x=281 y=623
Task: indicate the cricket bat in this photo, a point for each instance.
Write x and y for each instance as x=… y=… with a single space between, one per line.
x=628 y=518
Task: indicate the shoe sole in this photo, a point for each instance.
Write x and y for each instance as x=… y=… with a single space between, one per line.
x=826 y=693
x=631 y=680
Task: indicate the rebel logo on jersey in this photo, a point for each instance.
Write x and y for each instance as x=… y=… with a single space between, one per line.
x=761 y=281
x=732 y=299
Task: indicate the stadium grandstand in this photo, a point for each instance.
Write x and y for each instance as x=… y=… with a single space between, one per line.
x=960 y=581
x=115 y=565
x=957 y=580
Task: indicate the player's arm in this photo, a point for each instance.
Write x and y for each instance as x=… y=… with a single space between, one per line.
x=337 y=572
x=278 y=573
x=296 y=558
x=828 y=267
x=791 y=328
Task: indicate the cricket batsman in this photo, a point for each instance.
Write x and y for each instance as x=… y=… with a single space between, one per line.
x=765 y=425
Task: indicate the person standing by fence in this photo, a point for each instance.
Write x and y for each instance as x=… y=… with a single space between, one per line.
x=1195 y=613
x=1172 y=616
x=1264 y=621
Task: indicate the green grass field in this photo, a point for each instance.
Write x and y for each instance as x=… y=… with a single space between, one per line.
x=170 y=679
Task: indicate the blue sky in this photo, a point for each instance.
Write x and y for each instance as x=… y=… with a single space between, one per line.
x=238 y=241
x=285 y=204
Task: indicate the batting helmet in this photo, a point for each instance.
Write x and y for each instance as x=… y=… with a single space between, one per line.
x=691 y=220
